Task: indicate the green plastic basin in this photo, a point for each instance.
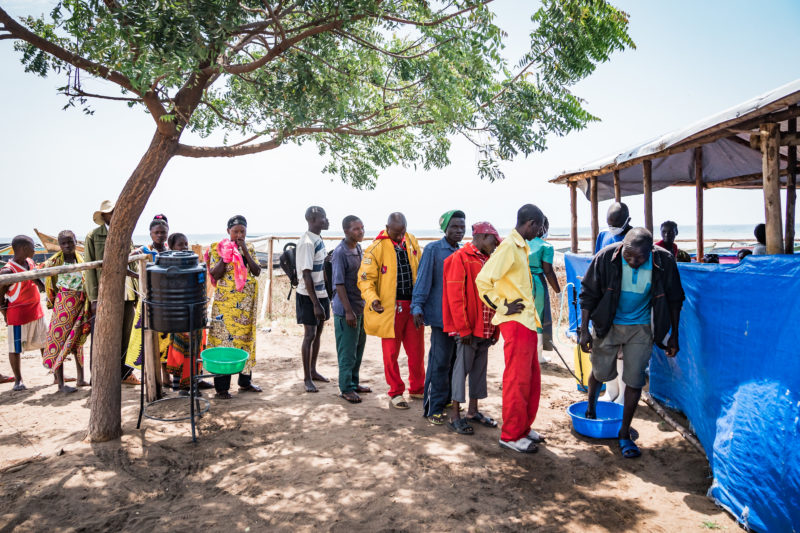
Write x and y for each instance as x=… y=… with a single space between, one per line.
x=222 y=360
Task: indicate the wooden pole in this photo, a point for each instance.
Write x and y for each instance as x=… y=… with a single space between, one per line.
x=269 y=269
x=617 y=191
x=151 y=363
x=770 y=166
x=791 y=193
x=685 y=433
x=573 y=224
x=647 y=185
x=40 y=273
x=595 y=220
x=698 y=182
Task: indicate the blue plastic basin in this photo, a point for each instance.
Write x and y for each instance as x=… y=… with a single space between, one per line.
x=607 y=424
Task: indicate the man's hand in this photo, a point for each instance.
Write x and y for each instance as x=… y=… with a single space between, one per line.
x=418 y=321
x=319 y=312
x=350 y=318
x=586 y=340
x=376 y=306
x=672 y=346
x=466 y=340
x=514 y=307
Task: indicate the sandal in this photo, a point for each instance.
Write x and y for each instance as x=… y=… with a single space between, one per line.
x=461 y=426
x=416 y=396
x=437 y=419
x=483 y=419
x=363 y=390
x=536 y=437
x=131 y=380
x=523 y=445
x=6 y=379
x=350 y=396
x=629 y=449
x=223 y=396
x=251 y=388
x=398 y=402
x=19 y=387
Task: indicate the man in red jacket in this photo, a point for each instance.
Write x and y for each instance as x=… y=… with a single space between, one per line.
x=466 y=316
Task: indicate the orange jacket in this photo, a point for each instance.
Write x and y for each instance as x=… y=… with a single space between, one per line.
x=462 y=308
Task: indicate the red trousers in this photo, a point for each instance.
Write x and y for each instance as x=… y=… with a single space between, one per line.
x=522 y=380
x=413 y=340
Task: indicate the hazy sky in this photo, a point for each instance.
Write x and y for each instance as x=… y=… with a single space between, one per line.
x=692 y=59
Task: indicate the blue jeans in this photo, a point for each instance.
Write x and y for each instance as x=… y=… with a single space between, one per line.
x=441 y=357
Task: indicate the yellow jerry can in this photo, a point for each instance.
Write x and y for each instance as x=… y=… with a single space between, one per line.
x=583 y=368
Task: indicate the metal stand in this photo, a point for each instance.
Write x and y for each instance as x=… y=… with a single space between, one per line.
x=195 y=410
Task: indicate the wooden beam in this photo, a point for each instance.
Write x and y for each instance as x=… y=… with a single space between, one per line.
x=573 y=224
x=41 y=273
x=770 y=142
x=647 y=185
x=617 y=192
x=707 y=136
x=595 y=218
x=698 y=181
x=786 y=139
x=791 y=193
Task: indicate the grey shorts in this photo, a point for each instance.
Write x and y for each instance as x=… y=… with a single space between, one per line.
x=636 y=342
x=471 y=361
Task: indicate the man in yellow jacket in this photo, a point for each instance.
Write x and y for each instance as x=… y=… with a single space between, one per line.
x=386 y=281
x=505 y=284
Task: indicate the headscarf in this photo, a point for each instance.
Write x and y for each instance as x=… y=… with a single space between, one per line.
x=237 y=220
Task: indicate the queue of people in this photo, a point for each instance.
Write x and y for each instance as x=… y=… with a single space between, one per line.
x=468 y=295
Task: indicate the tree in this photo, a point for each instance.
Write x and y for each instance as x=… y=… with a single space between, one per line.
x=372 y=83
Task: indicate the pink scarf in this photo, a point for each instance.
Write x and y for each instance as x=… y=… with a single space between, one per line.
x=229 y=253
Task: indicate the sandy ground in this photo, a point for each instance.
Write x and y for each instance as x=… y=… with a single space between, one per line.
x=290 y=460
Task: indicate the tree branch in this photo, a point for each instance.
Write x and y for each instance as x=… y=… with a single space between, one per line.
x=433 y=22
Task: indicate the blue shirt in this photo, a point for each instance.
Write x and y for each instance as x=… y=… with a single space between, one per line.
x=605 y=238
x=427 y=296
x=345 y=262
x=634 y=294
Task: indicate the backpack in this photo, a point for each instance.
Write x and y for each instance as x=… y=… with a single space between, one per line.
x=288 y=262
x=328 y=268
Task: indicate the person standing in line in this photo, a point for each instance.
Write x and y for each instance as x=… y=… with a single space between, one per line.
x=426 y=308
x=69 y=324
x=21 y=308
x=542 y=273
x=465 y=315
x=234 y=272
x=312 y=305
x=348 y=309
x=386 y=281
x=94 y=249
x=505 y=285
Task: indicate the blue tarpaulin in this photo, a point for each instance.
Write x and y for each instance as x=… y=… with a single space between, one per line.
x=737 y=379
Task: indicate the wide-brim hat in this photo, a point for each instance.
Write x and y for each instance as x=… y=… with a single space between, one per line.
x=106 y=206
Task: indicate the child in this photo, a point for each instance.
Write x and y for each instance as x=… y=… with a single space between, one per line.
x=21 y=307
x=179 y=342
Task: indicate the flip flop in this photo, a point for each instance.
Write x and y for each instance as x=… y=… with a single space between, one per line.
x=523 y=445
x=350 y=397
x=483 y=419
x=251 y=388
x=536 y=437
x=399 y=403
x=461 y=426
x=223 y=396
x=437 y=419
x=629 y=449
x=7 y=379
x=363 y=390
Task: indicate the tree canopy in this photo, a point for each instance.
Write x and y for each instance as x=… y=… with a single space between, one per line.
x=372 y=83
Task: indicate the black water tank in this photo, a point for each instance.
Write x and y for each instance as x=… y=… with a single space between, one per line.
x=176 y=280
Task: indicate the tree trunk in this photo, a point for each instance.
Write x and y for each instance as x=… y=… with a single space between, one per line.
x=105 y=418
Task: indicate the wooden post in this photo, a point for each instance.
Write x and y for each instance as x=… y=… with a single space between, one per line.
x=770 y=166
x=647 y=186
x=151 y=363
x=595 y=221
x=791 y=194
x=573 y=206
x=269 y=269
x=617 y=191
x=698 y=183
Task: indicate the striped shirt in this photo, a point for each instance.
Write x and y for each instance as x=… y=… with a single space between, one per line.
x=310 y=255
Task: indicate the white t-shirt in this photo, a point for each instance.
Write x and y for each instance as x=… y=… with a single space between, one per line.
x=310 y=255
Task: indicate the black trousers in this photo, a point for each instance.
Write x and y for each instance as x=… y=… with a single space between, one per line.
x=127 y=328
x=223 y=383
